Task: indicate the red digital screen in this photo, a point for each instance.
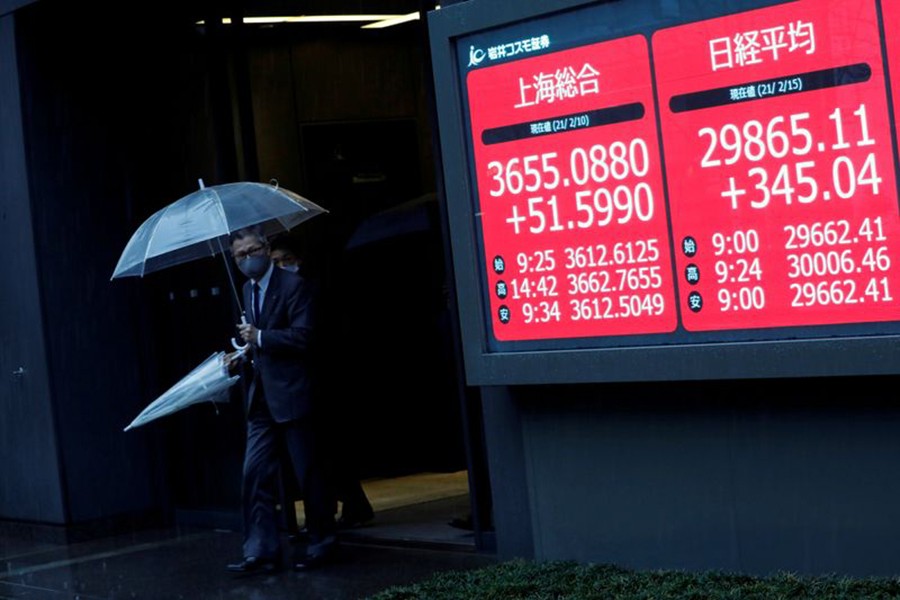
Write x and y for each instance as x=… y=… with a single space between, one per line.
x=781 y=173
x=730 y=174
x=570 y=195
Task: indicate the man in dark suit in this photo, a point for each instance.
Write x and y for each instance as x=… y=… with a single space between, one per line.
x=280 y=409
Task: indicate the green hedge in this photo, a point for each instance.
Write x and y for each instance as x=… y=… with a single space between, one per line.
x=524 y=580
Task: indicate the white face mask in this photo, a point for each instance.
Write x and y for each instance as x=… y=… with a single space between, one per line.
x=291 y=268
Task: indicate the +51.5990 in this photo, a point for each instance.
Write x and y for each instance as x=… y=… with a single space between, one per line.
x=602 y=198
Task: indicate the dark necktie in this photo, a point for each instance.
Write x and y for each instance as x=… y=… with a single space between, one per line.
x=256 y=304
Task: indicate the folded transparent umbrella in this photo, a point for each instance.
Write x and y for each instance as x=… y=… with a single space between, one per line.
x=209 y=382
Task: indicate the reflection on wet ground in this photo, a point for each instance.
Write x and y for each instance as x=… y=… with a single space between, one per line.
x=401 y=546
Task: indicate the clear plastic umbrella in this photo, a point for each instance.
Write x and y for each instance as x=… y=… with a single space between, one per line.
x=198 y=225
x=208 y=382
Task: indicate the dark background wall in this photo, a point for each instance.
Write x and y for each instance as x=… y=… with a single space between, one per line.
x=30 y=486
x=108 y=129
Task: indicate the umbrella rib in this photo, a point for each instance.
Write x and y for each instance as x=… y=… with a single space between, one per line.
x=153 y=235
x=222 y=252
x=221 y=211
x=230 y=277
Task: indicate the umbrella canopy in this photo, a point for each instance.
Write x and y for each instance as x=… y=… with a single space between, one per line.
x=208 y=382
x=198 y=224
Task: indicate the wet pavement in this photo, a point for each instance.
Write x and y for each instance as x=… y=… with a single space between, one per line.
x=175 y=564
x=400 y=547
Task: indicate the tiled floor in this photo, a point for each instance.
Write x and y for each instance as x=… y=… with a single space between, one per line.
x=415 y=489
x=429 y=501
x=403 y=544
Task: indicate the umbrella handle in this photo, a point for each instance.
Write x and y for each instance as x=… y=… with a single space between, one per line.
x=240 y=347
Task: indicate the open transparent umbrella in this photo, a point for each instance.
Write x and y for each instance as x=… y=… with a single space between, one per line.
x=198 y=225
x=208 y=382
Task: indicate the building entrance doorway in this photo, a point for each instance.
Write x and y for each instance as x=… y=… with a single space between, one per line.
x=388 y=368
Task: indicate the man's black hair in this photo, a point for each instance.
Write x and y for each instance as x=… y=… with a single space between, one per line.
x=251 y=231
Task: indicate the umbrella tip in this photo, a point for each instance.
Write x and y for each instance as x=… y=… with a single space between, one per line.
x=200 y=181
x=274 y=182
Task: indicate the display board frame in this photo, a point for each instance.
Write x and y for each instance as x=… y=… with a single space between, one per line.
x=871 y=349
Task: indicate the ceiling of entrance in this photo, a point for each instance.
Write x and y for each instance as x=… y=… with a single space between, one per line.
x=285 y=8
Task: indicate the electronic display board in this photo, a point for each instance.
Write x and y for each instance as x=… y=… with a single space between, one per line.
x=652 y=191
x=784 y=212
x=571 y=192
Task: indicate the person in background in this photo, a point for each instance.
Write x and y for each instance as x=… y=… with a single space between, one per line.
x=356 y=509
x=284 y=255
x=281 y=410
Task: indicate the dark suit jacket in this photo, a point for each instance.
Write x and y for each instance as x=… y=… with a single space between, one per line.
x=282 y=361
